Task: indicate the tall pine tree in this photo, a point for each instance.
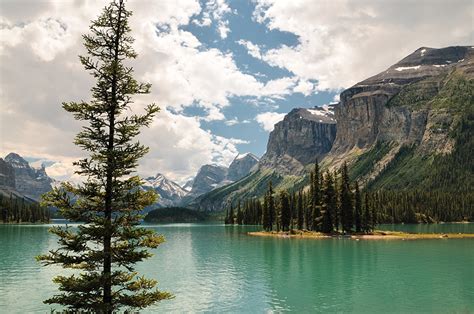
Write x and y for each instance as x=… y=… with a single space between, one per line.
x=285 y=211
x=358 y=209
x=105 y=249
x=346 y=209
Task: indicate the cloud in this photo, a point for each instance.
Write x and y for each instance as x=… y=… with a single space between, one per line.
x=215 y=10
x=252 y=49
x=304 y=87
x=342 y=42
x=268 y=119
x=181 y=146
x=39 y=55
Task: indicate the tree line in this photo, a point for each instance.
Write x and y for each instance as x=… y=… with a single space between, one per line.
x=18 y=210
x=331 y=204
x=335 y=204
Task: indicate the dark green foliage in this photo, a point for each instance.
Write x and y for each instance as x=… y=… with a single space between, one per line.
x=367 y=218
x=231 y=217
x=19 y=210
x=175 y=214
x=329 y=205
x=365 y=162
x=421 y=206
x=285 y=211
x=300 y=215
x=271 y=205
x=346 y=207
x=105 y=249
x=266 y=222
x=357 y=208
x=240 y=215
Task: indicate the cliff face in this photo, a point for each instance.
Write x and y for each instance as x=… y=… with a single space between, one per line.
x=29 y=181
x=303 y=136
x=7 y=175
x=409 y=127
x=241 y=166
x=394 y=105
x=209 y=177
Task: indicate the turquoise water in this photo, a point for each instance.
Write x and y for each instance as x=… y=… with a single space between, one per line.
x=216 y=268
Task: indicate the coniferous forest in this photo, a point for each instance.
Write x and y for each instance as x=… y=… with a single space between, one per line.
x=19 y=210
x=333 y=203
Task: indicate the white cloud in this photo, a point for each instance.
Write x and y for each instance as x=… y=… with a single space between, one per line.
x=304 y=87
x=268 y=119
x=252 y=49
x=215 y=10
x=39 y=54
x=181 y=146
x=342 y=42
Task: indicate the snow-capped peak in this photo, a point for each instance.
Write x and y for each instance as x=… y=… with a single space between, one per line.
x=244 y=155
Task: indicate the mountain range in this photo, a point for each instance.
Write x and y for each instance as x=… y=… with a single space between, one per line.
x=19 y=179
x=408 y=127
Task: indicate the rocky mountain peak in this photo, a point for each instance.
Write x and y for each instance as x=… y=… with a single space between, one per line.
x=16 y=161
x=29 y=181
x=170 y=193
x=303 y=136
x=209 y=177
x=241 y=166
x=368 y=112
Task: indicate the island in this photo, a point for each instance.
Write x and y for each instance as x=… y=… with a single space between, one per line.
x=375 y=235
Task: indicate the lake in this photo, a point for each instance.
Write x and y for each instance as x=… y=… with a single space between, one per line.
x=217 y=268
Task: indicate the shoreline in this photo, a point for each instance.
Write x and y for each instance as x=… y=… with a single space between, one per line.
x=376 y=235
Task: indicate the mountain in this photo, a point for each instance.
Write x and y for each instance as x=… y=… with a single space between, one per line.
x=7 y=174
x=410 y=126
x=188 y=185
x=241 y=166
x=208 y=178
x=30 y=182
x=170 y=193
x=288 y=152
x=7 y=181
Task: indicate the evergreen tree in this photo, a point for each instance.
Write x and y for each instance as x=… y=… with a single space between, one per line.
x=271 y=205
x=358 y=208
x=231 y=215
x=367 y=219
x=285 y=211
x=316 y=197
x=346 y=209
x=240 y=216
x=330 y=204
x=106 y=248
x=300 y=217
x=266 y=222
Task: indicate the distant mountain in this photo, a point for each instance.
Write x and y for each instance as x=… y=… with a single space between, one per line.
x=241 y=166
x=30 y=182
x=408 y=127
x=208 y=178
x=188 y=185
x=170 y=193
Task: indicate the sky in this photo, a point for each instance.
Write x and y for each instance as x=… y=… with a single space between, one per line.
x=223 y=72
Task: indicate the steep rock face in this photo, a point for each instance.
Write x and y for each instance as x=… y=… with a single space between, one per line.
x=170 y=193
x=303 y=136
x=7 y=175
x=241 y=166
x=29 y=181
x=209 y=177
x=376 y=109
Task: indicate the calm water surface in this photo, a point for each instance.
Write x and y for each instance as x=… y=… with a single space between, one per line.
x=216 y=268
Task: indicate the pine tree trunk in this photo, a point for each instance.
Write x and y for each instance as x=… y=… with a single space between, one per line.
x=107 y=299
